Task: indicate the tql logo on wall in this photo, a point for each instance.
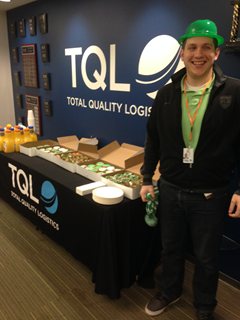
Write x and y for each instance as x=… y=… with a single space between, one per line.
x=159 y=59
x=22 y=184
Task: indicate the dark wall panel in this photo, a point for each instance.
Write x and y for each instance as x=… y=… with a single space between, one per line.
x=96 y=28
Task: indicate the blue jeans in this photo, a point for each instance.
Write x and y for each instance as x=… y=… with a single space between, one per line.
x=183 y=213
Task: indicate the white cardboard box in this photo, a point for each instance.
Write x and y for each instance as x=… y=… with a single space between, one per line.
x=30 y=148
x=129 y=192
x=124 y=155
x=49 y=154
x=75 y=144
x=121 y=156
x=94 y=176
x=70 y=166
x=88 y=188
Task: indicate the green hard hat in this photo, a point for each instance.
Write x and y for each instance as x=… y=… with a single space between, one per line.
x=202 y=28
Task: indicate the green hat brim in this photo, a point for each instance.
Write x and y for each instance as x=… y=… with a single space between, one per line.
x=220 y=39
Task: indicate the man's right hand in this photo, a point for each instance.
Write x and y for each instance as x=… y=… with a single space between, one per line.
x=145 y=190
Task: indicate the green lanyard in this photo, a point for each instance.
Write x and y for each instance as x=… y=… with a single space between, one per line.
x=192 y=118
x=190 y=132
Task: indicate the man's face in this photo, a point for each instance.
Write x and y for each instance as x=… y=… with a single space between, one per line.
x=198 y=55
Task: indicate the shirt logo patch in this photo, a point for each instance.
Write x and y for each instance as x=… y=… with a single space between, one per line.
x=225 y=101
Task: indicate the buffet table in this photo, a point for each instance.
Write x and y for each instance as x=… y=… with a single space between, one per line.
x=113 y=241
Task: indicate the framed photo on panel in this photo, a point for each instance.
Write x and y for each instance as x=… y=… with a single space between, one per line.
x=17 y=78
x=32 y=26
x=13 y=29
x=21 y=28
x=47 y=107
x=30 y=70
x=15 y=55
x=43 y=23
x=46 y=77
x=45 y=56
x=19 y=101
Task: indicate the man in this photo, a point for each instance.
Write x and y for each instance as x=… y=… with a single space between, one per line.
x=194 y=131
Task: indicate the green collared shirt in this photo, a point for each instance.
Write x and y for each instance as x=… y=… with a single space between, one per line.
x=193 y=100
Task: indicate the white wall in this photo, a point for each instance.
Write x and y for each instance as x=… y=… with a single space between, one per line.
x=6 y=93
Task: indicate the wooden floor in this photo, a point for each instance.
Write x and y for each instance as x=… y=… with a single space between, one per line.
x=39 y=280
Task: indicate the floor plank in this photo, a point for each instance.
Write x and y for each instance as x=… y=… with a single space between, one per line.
x=40 y=280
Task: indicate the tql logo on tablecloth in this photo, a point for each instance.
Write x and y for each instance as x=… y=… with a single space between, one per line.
x=22 y=183
x=49 y=197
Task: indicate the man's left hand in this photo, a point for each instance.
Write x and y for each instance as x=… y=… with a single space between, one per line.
x=234 y=208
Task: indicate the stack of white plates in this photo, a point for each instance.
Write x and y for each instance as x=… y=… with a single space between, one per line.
x=107 y=195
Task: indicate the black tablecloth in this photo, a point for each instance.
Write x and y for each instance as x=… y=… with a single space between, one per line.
x=113 y=241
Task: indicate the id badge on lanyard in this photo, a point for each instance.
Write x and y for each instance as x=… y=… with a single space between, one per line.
x=188 y=155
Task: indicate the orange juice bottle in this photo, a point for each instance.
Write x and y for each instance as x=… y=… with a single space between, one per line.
x=1 y=138
x=26 y=135
x=8 y=126
x=18 y=139
x=33 y=134
x=8 y=142
x=15 y=128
